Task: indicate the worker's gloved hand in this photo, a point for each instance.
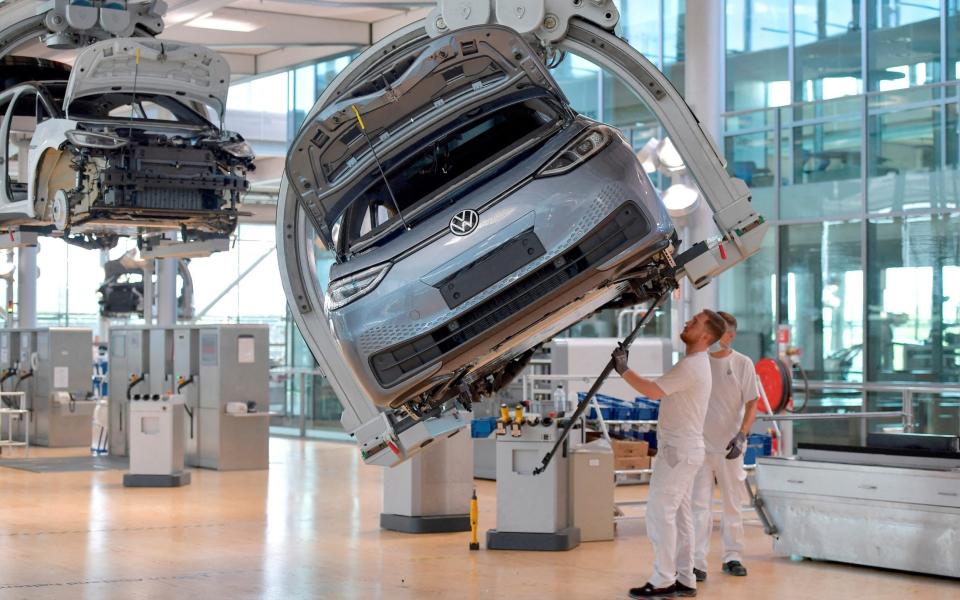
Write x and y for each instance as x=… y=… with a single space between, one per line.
x=735 y=447
x=620 y=361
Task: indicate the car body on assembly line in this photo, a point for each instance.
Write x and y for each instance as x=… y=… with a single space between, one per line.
x=503 y=217
x=129 y=144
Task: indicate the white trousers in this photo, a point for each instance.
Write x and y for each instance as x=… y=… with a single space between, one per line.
x=729 y=475
x=669 y=518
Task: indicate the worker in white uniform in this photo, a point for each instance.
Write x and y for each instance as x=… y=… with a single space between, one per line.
x=732 y=410
x=684 y=393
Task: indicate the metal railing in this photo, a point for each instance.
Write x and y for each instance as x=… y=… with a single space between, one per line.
x=8 y=415
x=905 y=414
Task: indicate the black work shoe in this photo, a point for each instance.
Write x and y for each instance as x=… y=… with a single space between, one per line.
x=700 y=575
x=685 y=591
x=734 y=568
x=648 y=591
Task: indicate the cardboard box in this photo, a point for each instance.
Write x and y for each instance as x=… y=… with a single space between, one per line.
x=593 y=436
x=632 y=463
x=625 y=449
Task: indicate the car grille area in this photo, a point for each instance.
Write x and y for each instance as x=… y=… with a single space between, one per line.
x=166 y=178
x=625 y=226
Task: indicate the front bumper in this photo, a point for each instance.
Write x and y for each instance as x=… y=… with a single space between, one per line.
x=617 y=232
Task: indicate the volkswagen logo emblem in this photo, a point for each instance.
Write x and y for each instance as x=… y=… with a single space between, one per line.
x=464 y=222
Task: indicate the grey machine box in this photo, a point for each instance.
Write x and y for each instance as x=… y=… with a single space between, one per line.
x=210 y=366
x=532 y=510
x=54 y=368
x=129 y=374
x=591 y=491
x=234 y=366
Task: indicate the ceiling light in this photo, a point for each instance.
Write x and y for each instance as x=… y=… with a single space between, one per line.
x=210 y=22
x=180 y=16
x=680 y=200
x=669 y=158
x=647 y=155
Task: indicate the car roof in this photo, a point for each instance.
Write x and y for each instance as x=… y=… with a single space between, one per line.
x=15 y=70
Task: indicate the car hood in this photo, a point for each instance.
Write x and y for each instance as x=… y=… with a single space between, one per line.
x=400 y=101
x=183 y=71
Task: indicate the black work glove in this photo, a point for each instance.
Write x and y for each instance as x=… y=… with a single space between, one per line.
x=735 y=447
x=620 y=361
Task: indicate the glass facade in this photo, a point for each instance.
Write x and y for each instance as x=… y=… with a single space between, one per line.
x=857 y=172
x=914 y=298
x=821 y=296
x=757 y=40
x=903 y=42
x=827 y=51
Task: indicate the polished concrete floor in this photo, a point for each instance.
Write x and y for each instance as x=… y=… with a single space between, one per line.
x=308 y=528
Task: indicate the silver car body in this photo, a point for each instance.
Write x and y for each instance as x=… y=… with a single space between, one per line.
x=408 y=338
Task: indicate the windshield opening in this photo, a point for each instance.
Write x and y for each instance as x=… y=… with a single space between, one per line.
x=438 y=165
x=142 y=107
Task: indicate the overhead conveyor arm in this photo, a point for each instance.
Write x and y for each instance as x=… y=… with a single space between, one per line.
x=68 y=24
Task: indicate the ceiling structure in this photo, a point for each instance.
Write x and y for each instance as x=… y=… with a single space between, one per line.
x=258 y=37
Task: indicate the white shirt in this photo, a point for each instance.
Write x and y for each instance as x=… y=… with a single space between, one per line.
x=734 y=384
x=683 y=408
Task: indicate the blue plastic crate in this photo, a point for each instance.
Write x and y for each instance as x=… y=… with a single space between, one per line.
x=758 y=444
x=650 y=437
x=483 y=427
x=762 y=441
x=648 y=408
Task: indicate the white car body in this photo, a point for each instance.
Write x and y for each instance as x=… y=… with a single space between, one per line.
x=165 y=163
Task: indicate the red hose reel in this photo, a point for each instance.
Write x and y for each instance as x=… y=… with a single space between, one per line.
x=777 y=382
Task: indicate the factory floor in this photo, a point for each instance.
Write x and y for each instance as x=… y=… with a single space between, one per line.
x=309 y=528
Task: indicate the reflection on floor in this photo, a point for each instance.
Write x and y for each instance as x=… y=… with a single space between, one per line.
x=308 y=528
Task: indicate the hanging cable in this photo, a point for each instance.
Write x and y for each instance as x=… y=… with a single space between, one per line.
x=376 y=158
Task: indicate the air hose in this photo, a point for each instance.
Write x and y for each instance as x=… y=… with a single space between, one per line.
x=806 y=391
x=134 y=380
x=182 y=383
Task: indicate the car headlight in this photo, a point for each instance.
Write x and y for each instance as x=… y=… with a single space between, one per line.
x=585 y=146
x=344 y=291
x=239 y=149
x=88 y=139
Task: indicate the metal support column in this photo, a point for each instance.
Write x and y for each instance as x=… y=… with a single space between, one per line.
x=148 y=295
x=703 y=90
x=167 y=292
x=103 y=324
x=8 y=315
x=27 y=286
